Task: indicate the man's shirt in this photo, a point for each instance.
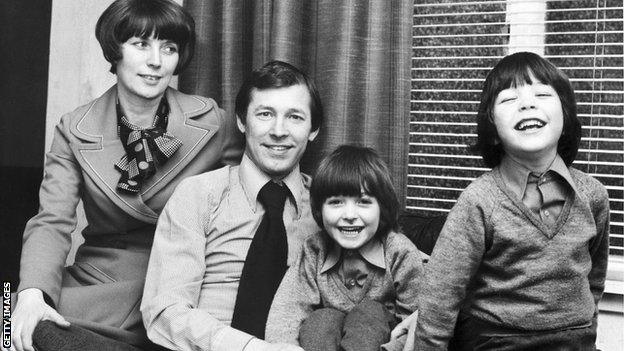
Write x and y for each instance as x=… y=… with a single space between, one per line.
x=200 y=246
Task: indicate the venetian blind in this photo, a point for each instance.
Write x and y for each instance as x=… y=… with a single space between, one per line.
x=455 y=44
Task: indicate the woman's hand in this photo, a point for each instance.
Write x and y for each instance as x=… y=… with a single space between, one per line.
x=407 y=326
x=29 y=310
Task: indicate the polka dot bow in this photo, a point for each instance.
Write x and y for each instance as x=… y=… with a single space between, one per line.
x=146 y=148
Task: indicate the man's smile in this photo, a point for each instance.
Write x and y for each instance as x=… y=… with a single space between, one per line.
x=278 y=147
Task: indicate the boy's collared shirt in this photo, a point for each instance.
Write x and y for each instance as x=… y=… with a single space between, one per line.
x=545 y=193
x=354 y=266
x=306 y=288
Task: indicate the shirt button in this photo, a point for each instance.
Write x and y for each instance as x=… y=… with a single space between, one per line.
x=546 y=213
x=351 y=282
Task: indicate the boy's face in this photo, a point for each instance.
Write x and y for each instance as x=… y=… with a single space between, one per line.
x=529 y=121
x=351 y=221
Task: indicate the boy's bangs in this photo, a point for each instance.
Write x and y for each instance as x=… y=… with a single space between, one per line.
x=523 y=72
x=349 y=185
x=512 y=77
x=348 y=179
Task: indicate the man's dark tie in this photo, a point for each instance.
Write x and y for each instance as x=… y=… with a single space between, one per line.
x=265 y=264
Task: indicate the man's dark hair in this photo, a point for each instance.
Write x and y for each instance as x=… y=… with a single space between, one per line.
x=278 y=74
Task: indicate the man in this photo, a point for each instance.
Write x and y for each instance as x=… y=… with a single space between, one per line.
x=221 y=247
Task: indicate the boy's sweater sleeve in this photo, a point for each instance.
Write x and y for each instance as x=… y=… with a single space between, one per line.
x=296 y=297
x=599 y=248
x=407 y=274
x=454 y=261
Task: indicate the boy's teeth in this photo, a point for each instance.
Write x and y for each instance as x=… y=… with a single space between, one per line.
x=350 y=230
x=529 y=124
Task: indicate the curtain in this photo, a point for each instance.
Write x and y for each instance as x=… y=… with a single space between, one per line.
x=357 y=52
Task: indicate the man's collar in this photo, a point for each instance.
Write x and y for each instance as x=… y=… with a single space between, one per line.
x=253 y=179
x=515 y=175
x=372 y=252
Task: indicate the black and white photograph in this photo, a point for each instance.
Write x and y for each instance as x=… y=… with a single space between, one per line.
x=312 y=175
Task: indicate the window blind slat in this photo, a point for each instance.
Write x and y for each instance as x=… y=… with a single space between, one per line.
x=575 y=45
x=501 y=24
x=472 y=35
x=465 y=3
x=459 y=14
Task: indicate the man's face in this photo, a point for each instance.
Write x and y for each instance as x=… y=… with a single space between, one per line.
x=277 y=128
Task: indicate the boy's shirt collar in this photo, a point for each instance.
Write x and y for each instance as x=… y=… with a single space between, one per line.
x=372 y=252
x=516 y=175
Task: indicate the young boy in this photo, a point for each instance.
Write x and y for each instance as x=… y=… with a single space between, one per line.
x=358 y=277
x=522 y=258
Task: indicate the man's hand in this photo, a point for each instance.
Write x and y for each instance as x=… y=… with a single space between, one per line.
x=29 y=310
x=261 y=345
x=284 y=347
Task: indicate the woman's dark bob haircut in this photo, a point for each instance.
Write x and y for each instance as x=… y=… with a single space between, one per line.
x=349 y=170
x=164 y=19
x=515 y=70
x=278 y=74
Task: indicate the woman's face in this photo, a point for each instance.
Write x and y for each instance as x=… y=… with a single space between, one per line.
x=146 y=67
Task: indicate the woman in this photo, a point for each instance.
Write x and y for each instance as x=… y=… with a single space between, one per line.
x=122 y=155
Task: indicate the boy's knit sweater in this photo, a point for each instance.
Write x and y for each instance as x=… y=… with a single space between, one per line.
x=497 y=261
x=305 y=289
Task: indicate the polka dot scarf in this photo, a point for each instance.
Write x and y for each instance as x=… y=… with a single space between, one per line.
x=146 y=148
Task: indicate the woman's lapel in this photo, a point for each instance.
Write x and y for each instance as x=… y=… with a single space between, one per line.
x=190 y=122
x=99 y=147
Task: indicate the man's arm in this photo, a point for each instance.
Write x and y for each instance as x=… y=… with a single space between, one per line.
x=175 y=278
